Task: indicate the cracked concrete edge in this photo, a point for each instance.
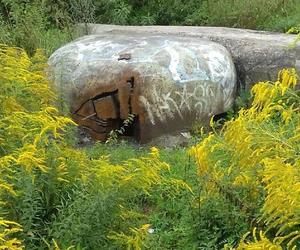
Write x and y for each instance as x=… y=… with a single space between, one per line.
x=297 y=66
x=197 y=31
x=297 y=62
x=247 y=47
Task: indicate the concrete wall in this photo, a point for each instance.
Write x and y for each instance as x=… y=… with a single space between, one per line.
x=258 y=55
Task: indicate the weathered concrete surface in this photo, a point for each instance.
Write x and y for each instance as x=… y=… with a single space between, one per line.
x=167 y=82
x=258 y=55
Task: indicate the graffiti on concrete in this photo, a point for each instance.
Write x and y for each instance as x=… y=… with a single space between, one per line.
x=162 y=106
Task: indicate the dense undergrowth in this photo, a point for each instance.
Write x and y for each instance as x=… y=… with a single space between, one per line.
x=254 y=162
x=54 y=194
x=48 y=24
x=232 y=190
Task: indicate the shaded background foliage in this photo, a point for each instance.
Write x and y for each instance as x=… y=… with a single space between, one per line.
x=50 y=23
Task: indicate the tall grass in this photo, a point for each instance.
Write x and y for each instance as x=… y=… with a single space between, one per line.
x=54 y=194
x=49 y=24
x=42 y=24
x=274 y=15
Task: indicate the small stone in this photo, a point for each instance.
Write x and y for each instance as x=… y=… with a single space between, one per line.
x=124 y=57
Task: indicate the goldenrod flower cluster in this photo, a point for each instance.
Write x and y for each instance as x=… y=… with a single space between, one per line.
x=258 y=155
x=34 y=146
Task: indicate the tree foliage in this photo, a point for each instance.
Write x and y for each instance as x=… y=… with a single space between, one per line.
x=48 y=24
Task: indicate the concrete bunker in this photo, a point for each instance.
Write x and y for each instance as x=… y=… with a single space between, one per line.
x=165 y=82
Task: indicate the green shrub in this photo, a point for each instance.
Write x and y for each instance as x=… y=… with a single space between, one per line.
x=48 y=24
x=42 y=24
x=274 y=15
x=253 y=14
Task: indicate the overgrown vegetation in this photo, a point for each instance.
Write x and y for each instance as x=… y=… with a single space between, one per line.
x=272 y=14
x=48 y=24
x=55 y=195
x=231 y=190
x=258 y=168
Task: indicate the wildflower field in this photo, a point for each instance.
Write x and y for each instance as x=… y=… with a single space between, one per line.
x=236 y=187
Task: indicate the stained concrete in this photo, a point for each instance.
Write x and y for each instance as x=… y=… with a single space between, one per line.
x=258 y=55
x=166 y=82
